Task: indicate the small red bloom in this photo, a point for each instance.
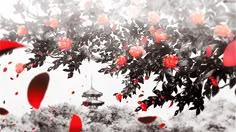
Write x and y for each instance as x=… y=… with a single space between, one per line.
x=198 y=18
x=9 y=62
x=153 y=17
x=162 y=125
x=64 y=43
x=73 y=92
x=103 y=19
x=146 y=77
x=140 y=102
x=19 y=68
x=16 y=93
x=121 y=60
x=136 y=81
x=160 y=35
x=209 y=51
x=222 y=30
x=136 y=51
x=162 y=97
x=229 y=59
x=53 y=23
x=153 y=102
x=21 y=30
x=213 y=81
x=119 y=97
x=170 y=61
x=144 y=40
x=4 y=69
x=143 y=107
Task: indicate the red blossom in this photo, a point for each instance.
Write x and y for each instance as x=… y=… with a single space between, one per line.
x=160 y=35
x=153 y=17
x=213 y=81
x=53 y=23
x=146 y=77
x=144 y=107
x=162 y=125
x=139 y=102
x=198 y=18
x=64 y=43
x=144 y=40
x=103 y=19
x=19 y=68
x=170 y=61
x=136 y=81
x=222 y=30
x=119 y=97
x=4 y=69
x=21 y=30
x=121 y=60
x=136 y=51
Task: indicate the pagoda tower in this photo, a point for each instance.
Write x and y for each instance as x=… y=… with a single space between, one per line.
x=92 y=96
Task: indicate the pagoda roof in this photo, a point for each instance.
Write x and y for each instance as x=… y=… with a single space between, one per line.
x=93 y=102
x=92 y=93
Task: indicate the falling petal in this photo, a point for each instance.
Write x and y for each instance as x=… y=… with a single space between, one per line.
x=75 y=124
x=4 y=69
x=172 y=102
x=229 y=58
x=16 y=93
x=33 y=129
x=3 y=111
x=4 y=102
x=73 y=92
x=6 y=45
x=37 y=89
x=147 y=119
x=11 y=78
x=9 y=62
x=141 y=95
x=162 y=125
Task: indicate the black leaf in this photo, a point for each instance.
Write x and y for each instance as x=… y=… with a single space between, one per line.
x=176 y=112
x=232 y=82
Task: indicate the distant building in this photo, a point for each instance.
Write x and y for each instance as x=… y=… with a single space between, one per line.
x=92 y=96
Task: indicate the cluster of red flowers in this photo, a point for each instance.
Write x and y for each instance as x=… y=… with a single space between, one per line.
x=171 y=61
x=143 y=105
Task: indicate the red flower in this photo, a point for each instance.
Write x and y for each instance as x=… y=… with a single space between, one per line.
x=162 y=125
x=229 y=58
x=121 y=60
x=144 y=40
x=152 y=30
x=153 y=17
x=136 y=51
x=160 y=35
x=19 y=68
x=146 y=77
x=64 y=43
x=119 y=97
x=143 y=107
x=197 y=18
x=170 y=61
x=103 y=19
x=222 y=30
x=21 y=30
x=53 y=23
x=209 y=51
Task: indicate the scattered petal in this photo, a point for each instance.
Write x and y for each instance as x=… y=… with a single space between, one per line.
x=140 y=95
x=162 y=125
x=73 y=92
x=37 y=89
x=172 y=102
x=16 y=93
x=9 y=62
x=4 y=69
x=147 y=119
x=3 y=111
x=75 y=124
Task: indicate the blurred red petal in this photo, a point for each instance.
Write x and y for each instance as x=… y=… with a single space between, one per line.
x=162 y=125
x=4 y=69
x=3 y=111
x=172 y=102
x=73 y=92
x=75 y=124
x=37 y=89
x=16 y=93
x=9 y=62
x=229 y=58
x=6 y=45
x=147 y=119
x=209 y=51
x=140 y=95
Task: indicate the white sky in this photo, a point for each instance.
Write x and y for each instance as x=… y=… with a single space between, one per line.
x=60 y=87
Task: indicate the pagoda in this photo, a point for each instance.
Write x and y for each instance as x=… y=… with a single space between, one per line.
x=92 y=96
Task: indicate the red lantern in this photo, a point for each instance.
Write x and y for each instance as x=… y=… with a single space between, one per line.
x=229 y=56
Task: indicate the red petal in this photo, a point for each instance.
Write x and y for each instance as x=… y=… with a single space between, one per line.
x=6 y=45
x=16 y=93
x=9 y=62
x=140 y=95
x=37 y=89
x=147 y=119
x=209 y=51
x=72 y=92
x=229 y=58
x=3 y=111
x=144 y=40
x=172 y=102
x=4 y=69
x=75 y=124
x=162 y=125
